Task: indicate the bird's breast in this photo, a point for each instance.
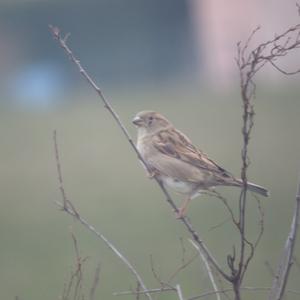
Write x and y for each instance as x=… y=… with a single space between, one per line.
x=178 y=186
x=144 y=148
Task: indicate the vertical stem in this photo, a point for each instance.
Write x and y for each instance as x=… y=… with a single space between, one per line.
x=237 y=290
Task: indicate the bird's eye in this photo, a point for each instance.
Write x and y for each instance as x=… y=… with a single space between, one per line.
x=150 y=120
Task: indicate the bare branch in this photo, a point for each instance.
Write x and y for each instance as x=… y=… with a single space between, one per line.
x=62 y=42
x=150 y=291
x=283 y=71
x=182 y=266
x=297 y=262
x=95 y=282
x=220 y=224
x=269 y=268
x=155 y=275
x=285 y=263
x=249 y=62
x=60 y=178
x=184 y=263
x=208 y=268
x=261 y=221
x=183 y=250
x=298 y=8
x=138 y=287
x=195 y=235
x=68 y=207
x=179 y=292
x=205 y=294
x=225 y=202
x=253 y=245
x=76 y=278
x=246 y=288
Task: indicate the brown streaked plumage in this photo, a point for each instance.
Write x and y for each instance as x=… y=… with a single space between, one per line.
x=172 y=157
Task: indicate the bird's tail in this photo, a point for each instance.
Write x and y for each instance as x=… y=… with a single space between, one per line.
x=256 y=188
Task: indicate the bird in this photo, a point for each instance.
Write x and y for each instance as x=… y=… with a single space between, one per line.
x=171 y=157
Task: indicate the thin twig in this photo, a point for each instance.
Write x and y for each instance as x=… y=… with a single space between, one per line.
x=184 y=263
x=108 y=243
x=183 y=250
x=76 y=277
x=179 y=292
x=205 y=294
x=62 y=42
x=296 y=262
x=220 y=224
x=138 y=287
x=71 y=211
x=95 y=282
x=286 y=261
x=208 y=268
x=246 y=288
x=269 y=268
x=249 y=62
x=66 y=202
x=225 y=202
x=150 y=291
x=155 y=275
x=181 y=267
x=261 y=221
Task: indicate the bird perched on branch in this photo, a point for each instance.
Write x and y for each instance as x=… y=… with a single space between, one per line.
x=173 y=159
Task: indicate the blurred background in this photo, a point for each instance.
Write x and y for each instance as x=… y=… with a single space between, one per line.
x=173 y=56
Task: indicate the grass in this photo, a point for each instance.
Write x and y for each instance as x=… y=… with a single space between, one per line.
x=109 y=188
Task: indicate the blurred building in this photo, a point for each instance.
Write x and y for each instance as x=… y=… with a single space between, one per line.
x=220 y=24
x=132 y=42
x=120 y=42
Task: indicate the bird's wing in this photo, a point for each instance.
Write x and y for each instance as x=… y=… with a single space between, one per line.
x=175 y=144
x=175 y=168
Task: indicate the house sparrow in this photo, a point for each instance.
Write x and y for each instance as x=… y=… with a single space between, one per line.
x=177 y=163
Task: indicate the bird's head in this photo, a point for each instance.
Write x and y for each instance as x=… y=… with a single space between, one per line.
x=150 y=121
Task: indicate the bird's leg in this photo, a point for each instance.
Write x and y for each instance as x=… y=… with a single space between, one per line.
x=183 y=208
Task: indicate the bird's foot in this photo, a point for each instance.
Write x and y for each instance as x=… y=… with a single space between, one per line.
x=151 y=174
x=180 y=214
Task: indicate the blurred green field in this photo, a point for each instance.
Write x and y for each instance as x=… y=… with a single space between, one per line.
x=109 y=188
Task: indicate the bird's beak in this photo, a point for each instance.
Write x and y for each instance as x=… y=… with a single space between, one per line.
x=137 y=121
